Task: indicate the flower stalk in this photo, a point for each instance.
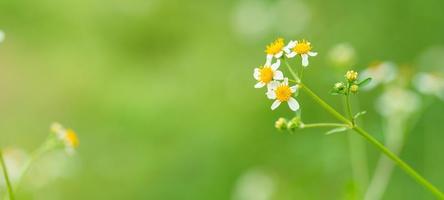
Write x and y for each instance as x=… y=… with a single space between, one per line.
x=403 y=165
x=5 y=174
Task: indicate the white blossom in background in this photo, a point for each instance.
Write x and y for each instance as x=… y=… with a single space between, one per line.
x=396 y=101
x=430 y=84
x=381 y=73
x=342 y=55
x=289 y=13
x=254 y=185
x=2 y=36
x=252 y=19
x=15 y=160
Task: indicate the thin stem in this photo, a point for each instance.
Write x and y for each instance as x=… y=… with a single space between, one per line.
x=295 y=76
x=313 y=125
x=349 y=111
x=5 y=174
x=404 y=166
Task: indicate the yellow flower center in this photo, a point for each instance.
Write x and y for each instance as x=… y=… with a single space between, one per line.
x=72 y=139
x=266 y=74
x=283 y=93
x=275 y=47
x=302 y=47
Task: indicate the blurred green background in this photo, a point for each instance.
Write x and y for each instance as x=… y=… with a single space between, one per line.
x=161 y=95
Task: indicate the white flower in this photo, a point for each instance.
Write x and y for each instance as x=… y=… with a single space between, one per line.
x=429 y=84
x=67 y=136
x=281 y=92
x=266 y=74
x=275 y=49
x=381 y=73
x=342 y=55
x=302 y=48
x=396 y=101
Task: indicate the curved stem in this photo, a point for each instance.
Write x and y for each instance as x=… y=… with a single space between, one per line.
x=404 y=166
x=5 y=174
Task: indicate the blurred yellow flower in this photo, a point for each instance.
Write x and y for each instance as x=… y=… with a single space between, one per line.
x=67 y=136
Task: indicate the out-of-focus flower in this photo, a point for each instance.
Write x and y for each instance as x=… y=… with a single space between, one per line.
x=255 y=184
x=302 y=48
x=389 y=103
x=342 y=55
x=266 y=74
x=275 y=49
x=281 y=92
x=15 y=160
x=289 y=13
x=429 y=84
x=2 y=36
x=351 y=76
x=67 y=136
x=381 y=73
x=253 y=19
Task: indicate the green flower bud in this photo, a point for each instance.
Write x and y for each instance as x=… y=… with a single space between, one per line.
x=281 y=124
x=294 y=123
x=351 y=76
x=354 y=89
x=339 y=86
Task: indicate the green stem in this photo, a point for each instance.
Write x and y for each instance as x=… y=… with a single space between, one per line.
x=349 y=111
x=313 y=125
x=5 y=174
x=404 y=166
x=291 y=71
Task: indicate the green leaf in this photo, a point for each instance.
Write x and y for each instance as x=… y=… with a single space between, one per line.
x=360 y=114
x=336 y=130
x=364 y=82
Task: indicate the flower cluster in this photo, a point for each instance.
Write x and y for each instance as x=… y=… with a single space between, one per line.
x=278 y=88
x=351 y=85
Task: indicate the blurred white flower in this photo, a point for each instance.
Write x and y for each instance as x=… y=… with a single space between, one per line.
x=302 y=48
x=67 y=136
x=381 y=73
x=254 y=185
x=432 y=59
x=252 y=19
x=2 y=36
x=429 y=84
x=342 y=55
x=289 y=13
x=397 y=101
x=15 y=160
x=266 y=74
x=282 y=93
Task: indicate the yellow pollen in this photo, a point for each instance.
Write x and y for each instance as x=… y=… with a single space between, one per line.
x=266 y=74
x=71 y=138
x=283 y=93
x=275 y=47
x=302 y=47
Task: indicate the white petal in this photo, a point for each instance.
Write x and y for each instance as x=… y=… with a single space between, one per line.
x=269 y=59
x=271 y=94
x=294 y=88
x=311 y=53
x=276 y=65
x=278 y=55
x=278 y=75
x=293 y=104
x=275 y=104
x=304 y=60
x=259 y=85
x=291 y=55
x=290 y=45
x=272 y=85
x=286 y=81
x=256 y=73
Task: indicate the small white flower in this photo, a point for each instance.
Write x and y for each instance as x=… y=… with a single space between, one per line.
x=281 y=92
x=302 y=48
x=381 y=73
x=266 y=74
x=275 y=49
x=67 y=136
x=429 y=84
